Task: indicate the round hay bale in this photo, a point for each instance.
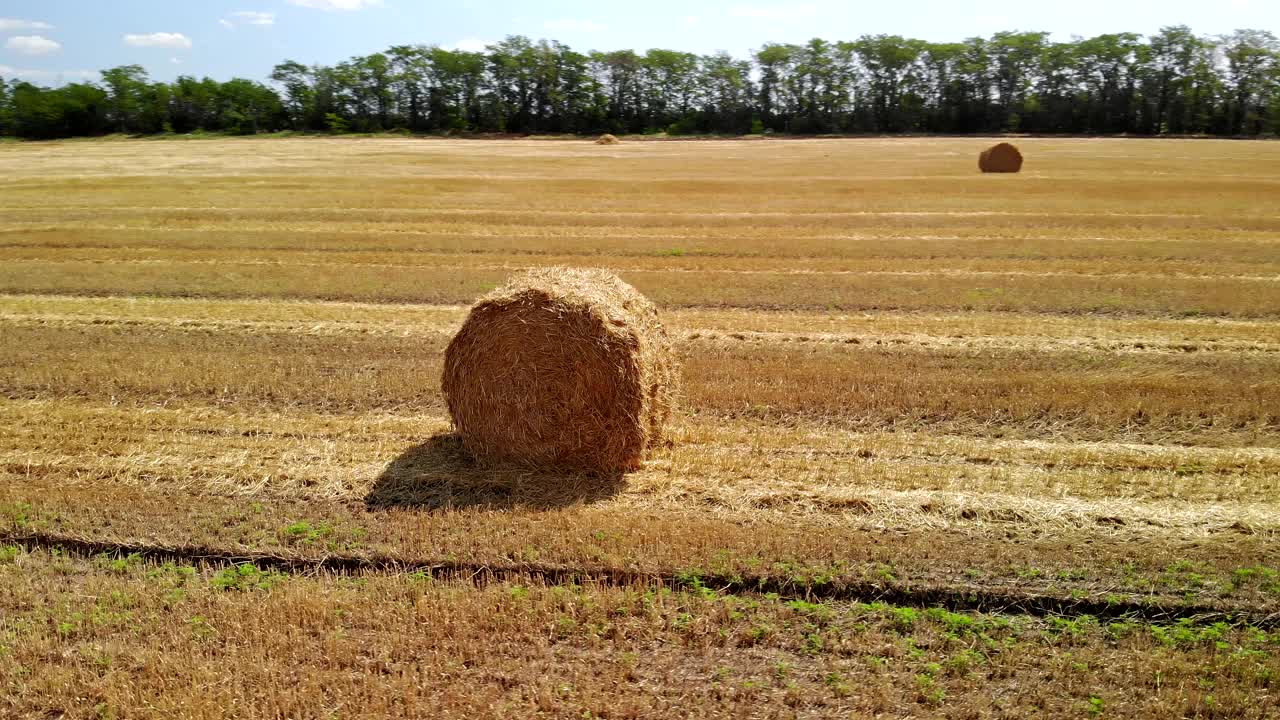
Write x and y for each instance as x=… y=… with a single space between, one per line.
x=607 y=139
x=562 y=369
x=1002 y=158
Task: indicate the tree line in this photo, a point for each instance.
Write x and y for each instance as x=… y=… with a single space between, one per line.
x=1172 y=82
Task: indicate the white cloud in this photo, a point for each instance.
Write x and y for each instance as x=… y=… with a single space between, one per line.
x=175 y=61
x=13 y=24
x=469 y=45
x=159 y=40
x=574 y=25
x=253 y=17
x=760 y=12
x=689 y=21
x=332 y=5
x=227 y=24
x=47 y=76
x=32 y=45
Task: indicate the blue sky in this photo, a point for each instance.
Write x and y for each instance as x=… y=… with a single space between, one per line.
x=52 y=41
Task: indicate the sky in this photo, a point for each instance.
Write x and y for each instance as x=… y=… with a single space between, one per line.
x=50 y=42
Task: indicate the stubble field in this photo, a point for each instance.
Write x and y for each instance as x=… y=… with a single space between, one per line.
x=951 y=445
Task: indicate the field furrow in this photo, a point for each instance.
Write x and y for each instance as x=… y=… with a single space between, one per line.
x=1095 y=332
x=671 y=262
x=1257 y=250
x=1151 y=296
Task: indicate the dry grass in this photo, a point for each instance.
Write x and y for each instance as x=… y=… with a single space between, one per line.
x=410 y=647
x=973 y=329
x=1191 y=397
x=946 y=242
x=1177 y=296
x=504 y=528
x=815 y=472
x=908 y=220
x=1060 y=384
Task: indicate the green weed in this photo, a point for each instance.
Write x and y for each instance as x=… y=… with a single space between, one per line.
x=246 y=577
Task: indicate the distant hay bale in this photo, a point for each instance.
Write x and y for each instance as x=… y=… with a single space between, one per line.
x=607 y=139
x=561 y=369
x=1001 y=158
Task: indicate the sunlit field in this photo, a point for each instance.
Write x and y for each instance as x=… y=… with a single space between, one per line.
x=950 y=444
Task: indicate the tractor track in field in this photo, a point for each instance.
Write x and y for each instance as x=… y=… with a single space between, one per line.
x=792 y=272
x=325 y=211
x=901 y=341
x=952 y=596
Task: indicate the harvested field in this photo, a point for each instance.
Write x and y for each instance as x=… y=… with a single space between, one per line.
x=949 y=445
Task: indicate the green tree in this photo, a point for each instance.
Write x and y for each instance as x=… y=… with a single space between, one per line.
x=246 y=107
x=1015 y=58
x=821 y=84
x=893 y=71
x=726 y=93
x=299 y=83
x=1107 y=66
x=619 y=76
x=1251 y=57
x=776 y=104
x=71 y=110
x=126 y=96
x=410 y=68
x=83 y=107
x=193 y=104
x=6 y=109
x=456 y=87
x=1172 y=80
x=669 y=79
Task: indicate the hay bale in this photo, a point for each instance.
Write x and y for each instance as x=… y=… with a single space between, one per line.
x=561 y=369
x=607 y=139
x=1002 y=158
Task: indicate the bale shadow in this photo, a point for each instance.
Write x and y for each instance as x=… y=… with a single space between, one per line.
x=440 y=474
